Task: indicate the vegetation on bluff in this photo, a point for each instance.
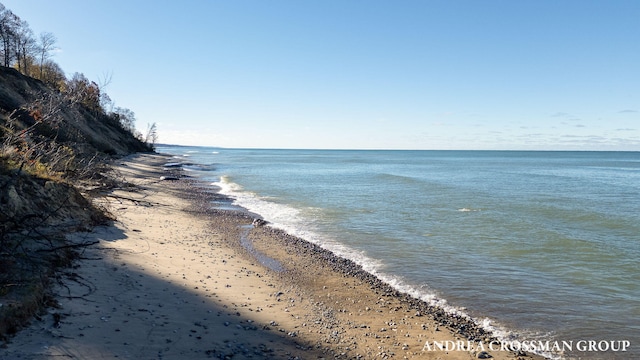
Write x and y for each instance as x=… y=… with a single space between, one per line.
x=57 y=136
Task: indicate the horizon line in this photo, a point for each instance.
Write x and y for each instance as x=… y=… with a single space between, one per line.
x=390 y=149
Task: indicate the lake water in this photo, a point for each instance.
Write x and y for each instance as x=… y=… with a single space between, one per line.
x=533 y=245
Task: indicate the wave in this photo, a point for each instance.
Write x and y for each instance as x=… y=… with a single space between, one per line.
x=198 y=167
x=292 y=221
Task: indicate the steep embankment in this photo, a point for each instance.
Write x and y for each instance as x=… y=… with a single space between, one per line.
x=49 y=143
x=79 y=127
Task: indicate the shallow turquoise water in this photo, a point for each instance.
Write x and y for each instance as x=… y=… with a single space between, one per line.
x=532 y=244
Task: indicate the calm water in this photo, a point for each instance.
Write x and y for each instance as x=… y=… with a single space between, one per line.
x=534 y=245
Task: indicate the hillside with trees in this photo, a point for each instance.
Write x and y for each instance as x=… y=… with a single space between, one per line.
x=57 y=137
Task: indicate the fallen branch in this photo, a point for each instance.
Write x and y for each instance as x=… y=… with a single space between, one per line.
x=135 y=201
x=71 y=246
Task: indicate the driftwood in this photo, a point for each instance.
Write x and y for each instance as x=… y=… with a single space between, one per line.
x=70 y=246
x=135 y=201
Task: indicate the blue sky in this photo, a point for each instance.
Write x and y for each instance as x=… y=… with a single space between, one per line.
x=544 y=74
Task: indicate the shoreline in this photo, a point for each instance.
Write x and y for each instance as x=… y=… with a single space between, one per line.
x=177 y=278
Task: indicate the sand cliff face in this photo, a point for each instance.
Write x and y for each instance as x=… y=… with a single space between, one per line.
x=76 y=125
x=33 y=202
x=48 y=141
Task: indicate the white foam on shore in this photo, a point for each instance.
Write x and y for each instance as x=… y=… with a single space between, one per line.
x=290 y=220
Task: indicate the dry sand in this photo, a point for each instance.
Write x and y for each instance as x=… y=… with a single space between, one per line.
x=172 y=279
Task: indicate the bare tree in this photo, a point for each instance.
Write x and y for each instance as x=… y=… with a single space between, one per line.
x=53 y=75
x=105 y=100
x=80 y=89
x=46 y=44
x=25 y=46
x=152 y=134
x=9 y=25
x=105 y=80
x=127 y=119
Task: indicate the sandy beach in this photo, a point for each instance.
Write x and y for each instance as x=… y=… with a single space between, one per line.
x=174 y=279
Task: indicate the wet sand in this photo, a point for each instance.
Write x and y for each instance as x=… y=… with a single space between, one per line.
x=175 y=279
